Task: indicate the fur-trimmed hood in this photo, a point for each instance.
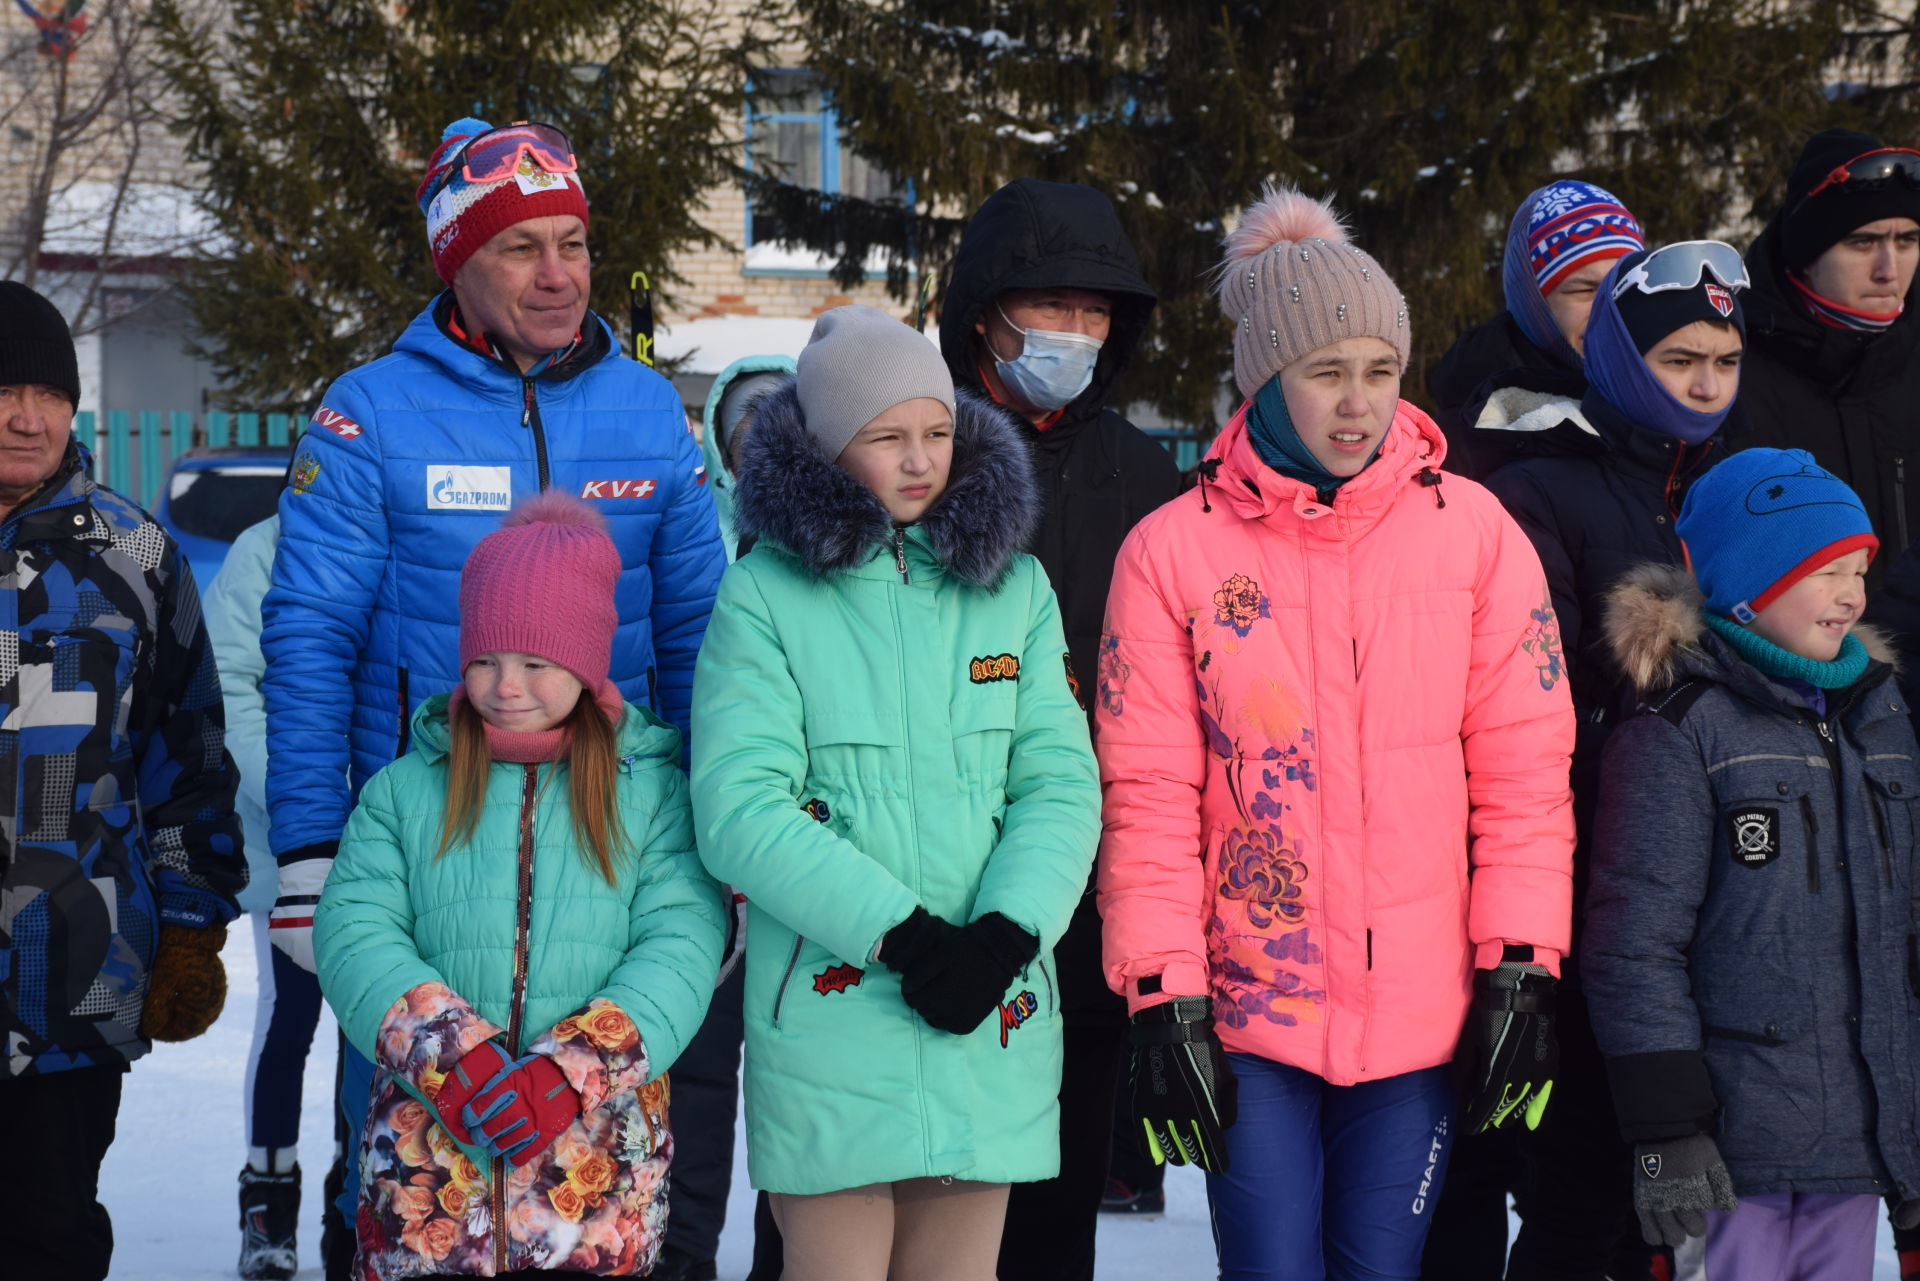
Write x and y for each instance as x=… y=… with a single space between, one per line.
x=789 y=491
x=1657 y=629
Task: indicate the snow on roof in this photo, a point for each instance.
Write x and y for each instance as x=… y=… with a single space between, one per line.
x=156 y=220
x=711 y=343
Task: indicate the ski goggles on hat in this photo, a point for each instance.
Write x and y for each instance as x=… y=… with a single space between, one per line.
x=1874 y=171
x=1683 y=265
x=496 y=154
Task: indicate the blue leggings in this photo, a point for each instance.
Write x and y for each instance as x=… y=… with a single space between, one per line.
x=283 y=1023
x=1330 y=1181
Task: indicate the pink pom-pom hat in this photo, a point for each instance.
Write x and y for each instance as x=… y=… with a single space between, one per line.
x=1291 y=283
x=543 y=584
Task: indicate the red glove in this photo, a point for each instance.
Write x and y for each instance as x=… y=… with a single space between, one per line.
x=519 y=1114
x=484 y=1064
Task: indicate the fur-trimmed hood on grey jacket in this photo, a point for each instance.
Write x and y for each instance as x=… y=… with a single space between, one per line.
x=1749 y=955
x=789 y=491
x=1657 y=629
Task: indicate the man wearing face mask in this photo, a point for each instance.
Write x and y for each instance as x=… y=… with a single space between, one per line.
x=1042 y=312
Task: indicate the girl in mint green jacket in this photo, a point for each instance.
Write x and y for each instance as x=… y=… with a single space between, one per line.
x=891 y=764
x=518 y=933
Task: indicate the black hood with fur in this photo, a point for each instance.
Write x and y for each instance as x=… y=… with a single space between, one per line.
x=789 y=491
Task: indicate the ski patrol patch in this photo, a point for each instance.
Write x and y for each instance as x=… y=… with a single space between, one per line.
x=1000 y=667
x=1753 y=834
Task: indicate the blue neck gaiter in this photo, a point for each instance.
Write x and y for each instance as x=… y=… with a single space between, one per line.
x=1275 y=439
x=1617 y=371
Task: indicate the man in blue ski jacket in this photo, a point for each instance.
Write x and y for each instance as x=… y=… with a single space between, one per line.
x=504 y=385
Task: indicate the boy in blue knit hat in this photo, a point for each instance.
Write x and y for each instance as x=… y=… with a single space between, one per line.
x=1749 y=953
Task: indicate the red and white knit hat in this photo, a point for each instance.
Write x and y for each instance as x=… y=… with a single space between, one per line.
x=462 y=215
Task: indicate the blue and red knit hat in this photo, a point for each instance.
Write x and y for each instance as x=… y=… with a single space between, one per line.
x=462 y=215
x=1761 y=521
x=1570 y=224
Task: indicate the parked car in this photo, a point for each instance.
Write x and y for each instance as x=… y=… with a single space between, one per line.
x=213 y=494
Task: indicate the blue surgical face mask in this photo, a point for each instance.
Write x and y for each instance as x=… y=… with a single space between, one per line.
x=1053 y=366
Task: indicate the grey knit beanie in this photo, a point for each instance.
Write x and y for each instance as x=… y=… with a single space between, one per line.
x=859 y=363
x=1291 y=283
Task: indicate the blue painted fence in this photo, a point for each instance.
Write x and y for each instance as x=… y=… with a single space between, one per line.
x=134 y=451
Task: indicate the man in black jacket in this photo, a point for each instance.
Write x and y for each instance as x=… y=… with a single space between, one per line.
x=1831 y=356
x=1043 y=310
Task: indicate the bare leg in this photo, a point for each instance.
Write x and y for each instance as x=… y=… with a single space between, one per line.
x=837 y=1236
x=947 y=1230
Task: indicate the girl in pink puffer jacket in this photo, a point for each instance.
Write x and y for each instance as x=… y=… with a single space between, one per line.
x=1333 y=729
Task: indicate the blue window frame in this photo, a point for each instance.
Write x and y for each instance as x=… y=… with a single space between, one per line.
x=793 y=132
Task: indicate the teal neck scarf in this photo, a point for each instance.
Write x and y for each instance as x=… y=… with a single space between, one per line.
x=1771 y=660
x=1278 y=442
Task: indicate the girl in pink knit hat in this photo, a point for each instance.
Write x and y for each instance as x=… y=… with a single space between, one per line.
x=519 y=934
x=1333 y=729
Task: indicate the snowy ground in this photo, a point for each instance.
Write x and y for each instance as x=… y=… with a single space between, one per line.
x=169 y=1180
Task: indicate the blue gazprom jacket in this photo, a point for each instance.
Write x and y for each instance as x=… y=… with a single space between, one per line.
x=411 y=460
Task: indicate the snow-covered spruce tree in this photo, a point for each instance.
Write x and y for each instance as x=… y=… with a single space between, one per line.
x=1428 y=120
x=313 y=120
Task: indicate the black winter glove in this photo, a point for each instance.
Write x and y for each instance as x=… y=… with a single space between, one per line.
x=1184 y=1093
x=1904 y=1215
x=954 y=978
x=1509 y=1048
x=1675 y=1183
x=915 y=941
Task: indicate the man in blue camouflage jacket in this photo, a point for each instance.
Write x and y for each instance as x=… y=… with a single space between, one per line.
x=119 y=849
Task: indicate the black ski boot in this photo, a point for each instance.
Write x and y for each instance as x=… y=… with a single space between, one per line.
x=269 y=1209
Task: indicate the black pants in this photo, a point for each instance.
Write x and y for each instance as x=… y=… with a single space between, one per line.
x=58 y=1127
x=1571 y=1180
x=706 y=1091
x=1050 y=1224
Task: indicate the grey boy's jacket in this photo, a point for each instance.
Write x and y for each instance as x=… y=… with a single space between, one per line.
x=1750 y=939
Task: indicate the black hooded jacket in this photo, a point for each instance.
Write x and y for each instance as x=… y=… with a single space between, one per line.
x=1851 y=399
x=1597 y=497
x=1098 y=473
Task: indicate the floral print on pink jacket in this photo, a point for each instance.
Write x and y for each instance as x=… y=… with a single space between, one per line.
x=1334 y=742
x=594 y=1202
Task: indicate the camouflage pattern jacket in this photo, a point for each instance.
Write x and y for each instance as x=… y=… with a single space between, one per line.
x=116 y=810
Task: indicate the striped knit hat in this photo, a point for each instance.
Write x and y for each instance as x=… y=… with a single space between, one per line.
x=462 y=215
